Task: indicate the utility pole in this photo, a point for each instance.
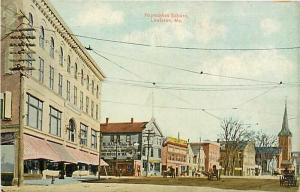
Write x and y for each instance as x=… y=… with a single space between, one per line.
x=148 y=134
x=199 y=160
x=19 y=49
x=100 y=148
x=116 y=143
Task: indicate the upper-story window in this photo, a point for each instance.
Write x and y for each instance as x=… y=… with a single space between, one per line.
x=30 y=18
x=34 y=112
x=55 y=121
x=41 y=70
x=61 y=56
x=52 y=47
x=71 y=130
x=94 y=139
x=82 y=77
x=42 y=37
x=97 y=91
x=83 y=134
x=76 y=71
x=51 y=77
x=93 y=86
x=87 y=82
x=69 y=64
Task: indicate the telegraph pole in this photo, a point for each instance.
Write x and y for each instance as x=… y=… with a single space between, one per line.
x=100 y=148
x=148 y=134
x=21 y=49
x=153 y=99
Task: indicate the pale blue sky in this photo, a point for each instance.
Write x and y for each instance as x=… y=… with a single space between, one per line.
x=208 y=25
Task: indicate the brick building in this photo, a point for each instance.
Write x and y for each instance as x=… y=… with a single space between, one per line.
x=174 y=154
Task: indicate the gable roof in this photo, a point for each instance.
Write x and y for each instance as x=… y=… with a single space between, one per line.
x=126 y=127
x=268 y=150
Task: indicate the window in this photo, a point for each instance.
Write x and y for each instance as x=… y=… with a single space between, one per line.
x=83 y=134
x=144 y=151
x=152 y=152
x=75 y=95
x=69 y=64
x=92 y=108
x=118 y=139
x=97 y=92
x=71 y=131
x=93 y=87
x=30 y=18
x=94 y=139
x=68 y=90
x=52 y=47
x=42 y=37
x=29 y=62
x=128 y=139
x=87 y=102
x=82 y=77
x=61 y=56
x=97 y=112
x=81 y=100
x=159 y=153
x=87 y=82
x=76 y=71
x=51 y=77
x=41 y=70
x=60 y=84
x=112 y=138
x=55 y=121
x=34 y=112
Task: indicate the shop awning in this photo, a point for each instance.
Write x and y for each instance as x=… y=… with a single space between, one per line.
x=94 y=159
x=79 y=156
x=62 y=152
x=36 y=148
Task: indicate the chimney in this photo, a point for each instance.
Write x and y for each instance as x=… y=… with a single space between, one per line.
x=131 y=120
x=107 y=120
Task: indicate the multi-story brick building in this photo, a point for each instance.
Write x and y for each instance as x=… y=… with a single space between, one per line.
x=174 y=154
x=125 y=147
x=51 y=115
x=212 y=154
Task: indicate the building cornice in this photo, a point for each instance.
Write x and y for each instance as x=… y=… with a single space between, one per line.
x=61 y=27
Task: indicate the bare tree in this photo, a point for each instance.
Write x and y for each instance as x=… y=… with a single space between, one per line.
x=264 y=140
x=233 y=135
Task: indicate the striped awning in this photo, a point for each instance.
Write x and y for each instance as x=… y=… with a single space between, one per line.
x=62 y=152
x=36 y=148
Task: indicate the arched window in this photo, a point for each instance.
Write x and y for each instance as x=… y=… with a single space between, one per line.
x=69 y=64
x=52 y=47
x=42 y=37
x=76 y=71
x=71 y=130
x=82 y=77
x=61 y=56
x=87 y=82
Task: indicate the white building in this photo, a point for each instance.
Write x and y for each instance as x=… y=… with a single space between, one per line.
x=51 y=115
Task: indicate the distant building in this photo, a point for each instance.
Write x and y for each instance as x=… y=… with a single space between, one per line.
x=296 y=158
x=285 y=142
x=268 y=159
x=125 y=147
x=174 y=154
x=196 y=158
x=212 y=154
x=244 y=163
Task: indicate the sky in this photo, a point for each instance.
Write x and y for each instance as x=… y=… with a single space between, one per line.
x=258 y=103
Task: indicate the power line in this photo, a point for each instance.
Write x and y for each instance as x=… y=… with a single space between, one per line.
x=116 y=64
x=192 y=71
x=185 y=48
